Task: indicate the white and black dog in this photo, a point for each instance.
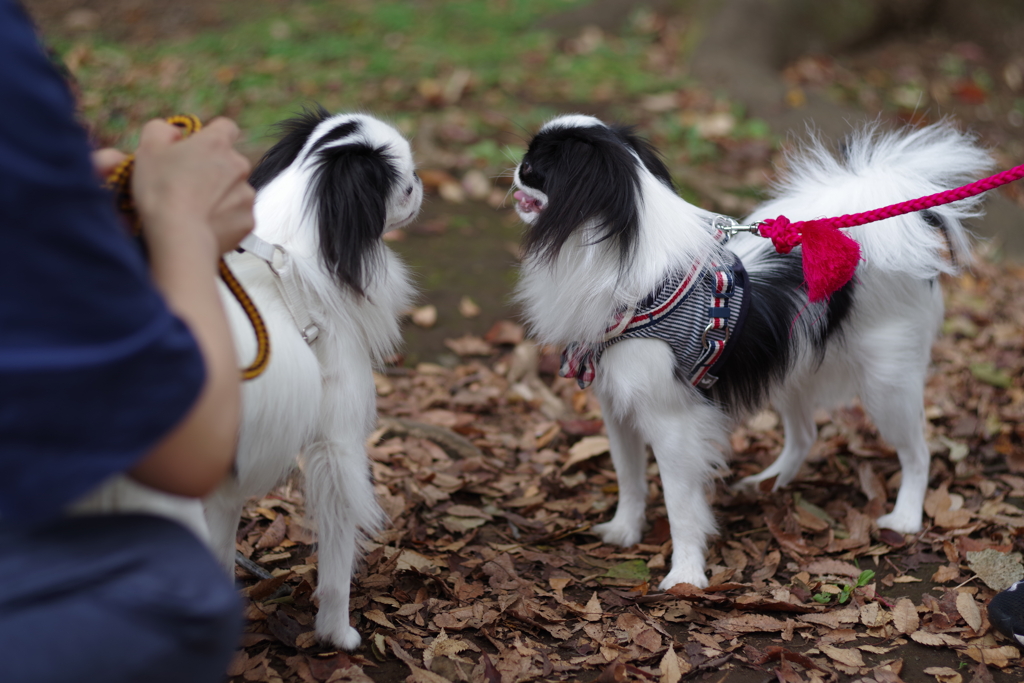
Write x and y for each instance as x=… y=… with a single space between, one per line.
x=331 y=295
x=326 y=193
x=683 y=331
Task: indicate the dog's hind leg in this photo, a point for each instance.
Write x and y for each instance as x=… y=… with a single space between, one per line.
x=629 y=455
x=895 y=402
x=223 y=510
x=797 y=412
x=340 y=499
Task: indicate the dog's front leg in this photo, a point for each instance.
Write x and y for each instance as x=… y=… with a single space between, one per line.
x=686 y=447
x=629 y=455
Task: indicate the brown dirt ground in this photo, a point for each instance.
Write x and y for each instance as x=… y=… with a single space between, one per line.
x=504 y=528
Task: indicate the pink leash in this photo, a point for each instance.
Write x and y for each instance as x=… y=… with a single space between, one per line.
x=830 y=257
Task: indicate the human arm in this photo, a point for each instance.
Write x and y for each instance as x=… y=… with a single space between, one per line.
x=95 y=369
x=195 y=203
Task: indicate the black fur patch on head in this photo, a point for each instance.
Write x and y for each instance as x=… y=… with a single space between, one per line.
x=351 y=186
x=294 y=134
x=588 y=174
x=647 y=153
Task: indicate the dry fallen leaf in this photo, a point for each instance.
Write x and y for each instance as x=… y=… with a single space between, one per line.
x=936 y=639
x=425 y=316
x=1001 y=657
x=468 y=308
x=469 y=345
x=673 y=667
x=968 y=609
x=492 y=537
x=592 y=611
x=377 y=617
x=833 y=567
x=905 y=617
x=998 y=570
x=452 y=192
x=586 y=448
x=505 y=332
x=943 y=674
x=750 y=623
x=846 y=657
x=274 y=534
x=946 y=573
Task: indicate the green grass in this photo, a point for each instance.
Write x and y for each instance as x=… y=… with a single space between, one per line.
x=400 y=59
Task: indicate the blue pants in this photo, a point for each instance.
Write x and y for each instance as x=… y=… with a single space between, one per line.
x=113 y=599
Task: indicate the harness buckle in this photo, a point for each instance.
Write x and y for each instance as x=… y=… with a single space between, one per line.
x=754 y=229
x=310 y=334
x=710 y=326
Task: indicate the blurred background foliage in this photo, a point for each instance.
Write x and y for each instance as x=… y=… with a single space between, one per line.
x=720 y=86
x=488 y=72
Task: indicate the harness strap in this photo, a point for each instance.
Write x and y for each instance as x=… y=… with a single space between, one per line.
x=717 y=332
x=741 y=281
x=281 y=263
x=724 y=315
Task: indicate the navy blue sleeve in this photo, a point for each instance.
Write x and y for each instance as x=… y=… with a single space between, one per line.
x=94 y=369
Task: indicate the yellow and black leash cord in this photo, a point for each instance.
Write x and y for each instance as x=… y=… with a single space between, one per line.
x=119 y=182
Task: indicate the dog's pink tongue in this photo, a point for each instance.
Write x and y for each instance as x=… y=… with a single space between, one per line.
x=526 y=202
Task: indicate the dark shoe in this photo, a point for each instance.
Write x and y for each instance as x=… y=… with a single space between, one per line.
x=1006 y=611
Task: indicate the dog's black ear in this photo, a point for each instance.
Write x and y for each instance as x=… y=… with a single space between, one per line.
x=590 y=177
x=294 y=134
x=349 y=197
x=647 y=153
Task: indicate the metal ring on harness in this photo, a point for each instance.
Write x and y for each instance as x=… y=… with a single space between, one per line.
x=704 y=336
x=119 y=182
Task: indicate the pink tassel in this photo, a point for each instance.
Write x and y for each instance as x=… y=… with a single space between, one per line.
x=830 y=257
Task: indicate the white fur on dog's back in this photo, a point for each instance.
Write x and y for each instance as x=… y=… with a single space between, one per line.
x=882 y=168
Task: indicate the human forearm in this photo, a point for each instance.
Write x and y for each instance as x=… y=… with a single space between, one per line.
x=194 y=203
x=194 y=457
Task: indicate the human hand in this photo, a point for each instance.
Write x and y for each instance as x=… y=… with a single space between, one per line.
x=197 y=187
x=105 y=160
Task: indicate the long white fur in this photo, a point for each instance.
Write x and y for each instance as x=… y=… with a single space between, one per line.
x=318 y=399
x=882 y=355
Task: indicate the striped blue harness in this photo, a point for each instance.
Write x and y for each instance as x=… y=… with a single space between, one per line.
x=696 y=312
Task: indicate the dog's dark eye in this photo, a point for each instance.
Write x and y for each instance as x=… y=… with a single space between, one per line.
x=408 y=191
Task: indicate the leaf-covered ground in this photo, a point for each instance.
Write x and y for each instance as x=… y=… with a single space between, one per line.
x=494 y=470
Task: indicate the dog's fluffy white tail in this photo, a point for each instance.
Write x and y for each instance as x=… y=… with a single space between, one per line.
x=876 y=169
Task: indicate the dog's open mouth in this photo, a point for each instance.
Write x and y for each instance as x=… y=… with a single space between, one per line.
x=527 y=204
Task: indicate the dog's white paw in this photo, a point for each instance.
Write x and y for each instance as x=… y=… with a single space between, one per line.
x=901 y=522
x=755 y=482
x=340 y=635
x=619 y=533
x=691 y=575
x=751 y=483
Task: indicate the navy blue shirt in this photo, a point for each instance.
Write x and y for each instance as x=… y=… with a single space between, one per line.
x=94 y=369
